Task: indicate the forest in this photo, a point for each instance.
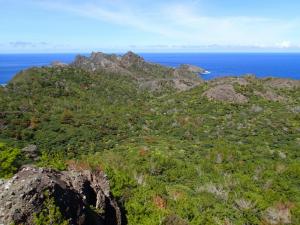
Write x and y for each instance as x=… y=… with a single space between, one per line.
x=172 y=157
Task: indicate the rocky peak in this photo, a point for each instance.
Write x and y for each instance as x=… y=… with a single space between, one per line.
x=131 y=58
x=97 y=56
x=98 y=61
x=131 y=55
x=153 y=77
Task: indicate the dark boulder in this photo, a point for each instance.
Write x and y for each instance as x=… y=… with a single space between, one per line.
x=82 y=196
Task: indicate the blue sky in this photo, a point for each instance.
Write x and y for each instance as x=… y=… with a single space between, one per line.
x=149 y=25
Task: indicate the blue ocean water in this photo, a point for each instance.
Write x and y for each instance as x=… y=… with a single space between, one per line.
x=285 y=65
x=11 y=64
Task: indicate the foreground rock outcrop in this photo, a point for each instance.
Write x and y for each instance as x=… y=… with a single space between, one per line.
x=82 y=196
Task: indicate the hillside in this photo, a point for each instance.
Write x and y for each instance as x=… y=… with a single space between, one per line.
x=177 y=149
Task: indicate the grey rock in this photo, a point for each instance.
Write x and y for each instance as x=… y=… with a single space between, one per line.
x=31 y=151
x=296 y=109
x=58 y=64
x=256 y=109
x=225 y=93
x=281 y=83
x=148 y=76
x=270 y=95
x=176 y=83
x=219 y=158
x=242 y=81
x=73 y=191
x=132 y=59
x=186 y=68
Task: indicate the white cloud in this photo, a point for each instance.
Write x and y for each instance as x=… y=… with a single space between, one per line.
x=284 y=44
x=181 y=24
x=27 y=44
x=115 y=12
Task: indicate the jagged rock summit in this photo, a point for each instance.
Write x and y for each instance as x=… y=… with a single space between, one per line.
x=149 y=76
x=131 y=63
x=74 y=192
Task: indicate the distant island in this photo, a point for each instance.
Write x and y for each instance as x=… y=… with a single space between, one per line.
x=111 y=139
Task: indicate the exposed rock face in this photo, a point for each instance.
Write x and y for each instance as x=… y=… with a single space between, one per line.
x=99 y=61
x=243 y=81
x=112 y=63
x=222 y=89
x=270 y=96
x=132 y=59
x=185 y=68
x=149 y=76
x=178 y=84
x=31 y=152
x=58 y=64
x=73 y=191
x=225 y=93
x=282 y=83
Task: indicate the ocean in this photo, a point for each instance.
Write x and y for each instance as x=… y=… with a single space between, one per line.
x=284 y=65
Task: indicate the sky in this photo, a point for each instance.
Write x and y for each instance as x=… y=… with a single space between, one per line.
x=44 y=26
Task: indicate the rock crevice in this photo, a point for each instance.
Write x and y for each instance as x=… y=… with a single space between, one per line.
x=75 y=192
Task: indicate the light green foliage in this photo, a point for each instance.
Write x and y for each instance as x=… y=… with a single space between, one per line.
x=52 y=160
x=8 y=160
x=174 y=155
x=50 y=214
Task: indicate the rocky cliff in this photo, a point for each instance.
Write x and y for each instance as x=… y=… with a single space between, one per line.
x=149 y=76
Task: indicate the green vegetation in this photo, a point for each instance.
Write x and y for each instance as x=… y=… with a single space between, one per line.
x=9 y=160
x=170 y=156
x=50 y=214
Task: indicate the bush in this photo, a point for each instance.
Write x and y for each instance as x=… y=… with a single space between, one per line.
x=50 y=214
x=9 y=160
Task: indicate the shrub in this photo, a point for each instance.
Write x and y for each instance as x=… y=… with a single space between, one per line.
x=50 y=214
x=9 y=160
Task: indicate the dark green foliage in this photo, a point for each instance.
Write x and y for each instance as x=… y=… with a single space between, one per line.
x=172 y=157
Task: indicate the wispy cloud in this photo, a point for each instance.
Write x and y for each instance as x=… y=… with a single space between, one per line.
x=26 y=44
x=115 y=11
x=183 y=23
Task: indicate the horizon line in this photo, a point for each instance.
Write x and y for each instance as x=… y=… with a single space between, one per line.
x=153 y=52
